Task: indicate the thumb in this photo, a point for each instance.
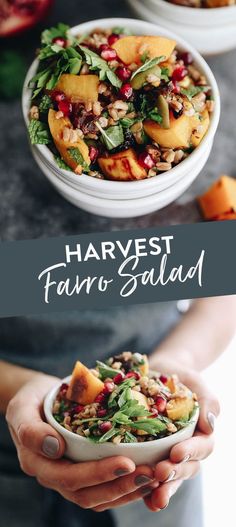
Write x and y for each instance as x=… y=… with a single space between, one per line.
x=28 y=428
x=209 y=411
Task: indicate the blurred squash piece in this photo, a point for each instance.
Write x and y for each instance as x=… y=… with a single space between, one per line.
x=84 y=386
x=219 y=199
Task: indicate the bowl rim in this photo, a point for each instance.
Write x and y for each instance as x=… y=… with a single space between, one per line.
x=126 y=186
x=48 y=400
x=198 y=10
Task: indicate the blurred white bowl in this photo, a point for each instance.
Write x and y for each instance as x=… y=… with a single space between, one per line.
x=79 y=448
x=210 y=31
x=130 y=190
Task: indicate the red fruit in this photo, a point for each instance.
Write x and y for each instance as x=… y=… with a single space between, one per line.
x=134 y=374
x=123 y=73
x=103 y=47
x=60 y=41
x=119 y=378
x=18 y=15
x=58 y=96
x=93 y=153
x=65 y=107
x=186 y=57
x=179 y=73
x=154 y=412
x=109 y=54
x=146 y=161
x=64 y=387
x=163 y=379
x=105 y=427
x=126 y=91
x=101 y=412
x=79 y=408
x=112 y=39
x=109 y=387
x=160 y=404
x=176 y=87
x=101 y=398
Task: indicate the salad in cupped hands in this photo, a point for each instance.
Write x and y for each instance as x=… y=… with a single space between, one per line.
x=120 y=401
x=117 y=106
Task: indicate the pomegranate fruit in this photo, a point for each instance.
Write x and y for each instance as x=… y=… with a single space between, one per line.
x=65 y=107
x=113 y=38
x=160 y=404
x=109 y=54
x=119 y=378
x=126 y=91
x=163 y=379
x=123 y=73
x=146 y=161
x=105 y=427
x=179 y=73
x=18 y=15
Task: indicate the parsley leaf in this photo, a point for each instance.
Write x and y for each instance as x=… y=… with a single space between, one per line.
x=78 y=158
x=151 y=426
x=121 y=31
x=45 y=104
x=127 y=122
x=95 y=62
x=112 y=136
x=112 y=432
x=154 y=115
x=130 y=438
x=105 y=370
x=147 y=65
x=165 y=74
x=61 y=163
x=38 y=132
x=59 y=31
x=192 y=91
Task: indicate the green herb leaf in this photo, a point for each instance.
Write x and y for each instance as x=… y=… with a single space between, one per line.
x=105 y=370
x=151 y=426
x=125 y=396
x=165 y=74
x=78 y=158
x=60 y=30
x=61 y=163
x=154 y=115
x=112 y=136
x=126 y=122
x=108 y=435
x=95 y=62
x=121 y=31
x=130 y=438
x=147 y=65
x=192 y=91
x=38 y=132
x=45 y=104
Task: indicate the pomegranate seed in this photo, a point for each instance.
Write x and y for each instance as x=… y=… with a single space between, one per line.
x=64 y=387
x=105 y=427
x=135 y=374
x=58 y=96
x=154 y=412
x=160 y=404
x=93 y=153
x=119 y=378
x=60 y=41
x=104 y=47
x=65 y=107
x=113 y=38
x=101 y=398
x=163 y=379
x=123 y=73
x=126 y=91
x=109 y=387
x=79 y=408
x=176 y=87
x=186 y=57
x=146 y=161
x=109 y=54
x=101 y=412
x=179 y=73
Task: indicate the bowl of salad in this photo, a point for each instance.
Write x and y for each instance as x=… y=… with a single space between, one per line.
x=119 y=109
x=209 y=25
x=121 y=408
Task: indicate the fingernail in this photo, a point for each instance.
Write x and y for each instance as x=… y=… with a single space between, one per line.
x=170 y=477
x=50 y=446
x=163 y=508
x=121 y=471
x=185 y=459
x=145 y=491
x=211 y=420
x=141 y=479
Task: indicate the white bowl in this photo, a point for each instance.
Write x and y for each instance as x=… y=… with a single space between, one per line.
x=116 y=190
x=210 y=31
x=79 y=448
x=129 y=208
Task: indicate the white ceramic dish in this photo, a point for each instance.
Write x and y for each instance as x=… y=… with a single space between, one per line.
x=129 y=208
x=79 y=448
x=114 y=190
x=210 y=31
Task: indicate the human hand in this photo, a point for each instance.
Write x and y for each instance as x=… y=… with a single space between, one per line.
x=98 y=485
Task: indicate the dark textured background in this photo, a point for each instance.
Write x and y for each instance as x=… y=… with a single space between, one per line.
x=31 y=208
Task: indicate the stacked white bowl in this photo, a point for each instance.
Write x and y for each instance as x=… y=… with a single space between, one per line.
x=117 y=199
x=210 y=31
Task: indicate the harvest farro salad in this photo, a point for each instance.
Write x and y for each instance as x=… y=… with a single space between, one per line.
x=117 y=106
x=122 y=402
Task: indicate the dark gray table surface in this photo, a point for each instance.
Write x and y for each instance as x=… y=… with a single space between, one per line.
x=31 y=208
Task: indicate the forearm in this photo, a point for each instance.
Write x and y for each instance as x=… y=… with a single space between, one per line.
x=201 y=336
x=12 y=378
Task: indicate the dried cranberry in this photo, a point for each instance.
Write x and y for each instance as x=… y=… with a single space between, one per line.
x=163 y=379
x=186 y=57
x=126 y=91
x=105 y=427
x=108 y=387
x=113 y=38
x=65 y=107
x=160 y=404
x=179 y=73
x=60 y=41
x=101 y=412
x=119 y=378
x=101 y=398
x=93 y=153
x=146 y=161
x=109 y=54
x=123 y=73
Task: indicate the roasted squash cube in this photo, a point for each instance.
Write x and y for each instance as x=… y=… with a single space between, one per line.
x=122 y=166
x=79 y=88
x=177 y=136
x=84 y=386
x=179 y=408
x=131 y=48
x=219 y=199
x=200 y=127
x=144 y=368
